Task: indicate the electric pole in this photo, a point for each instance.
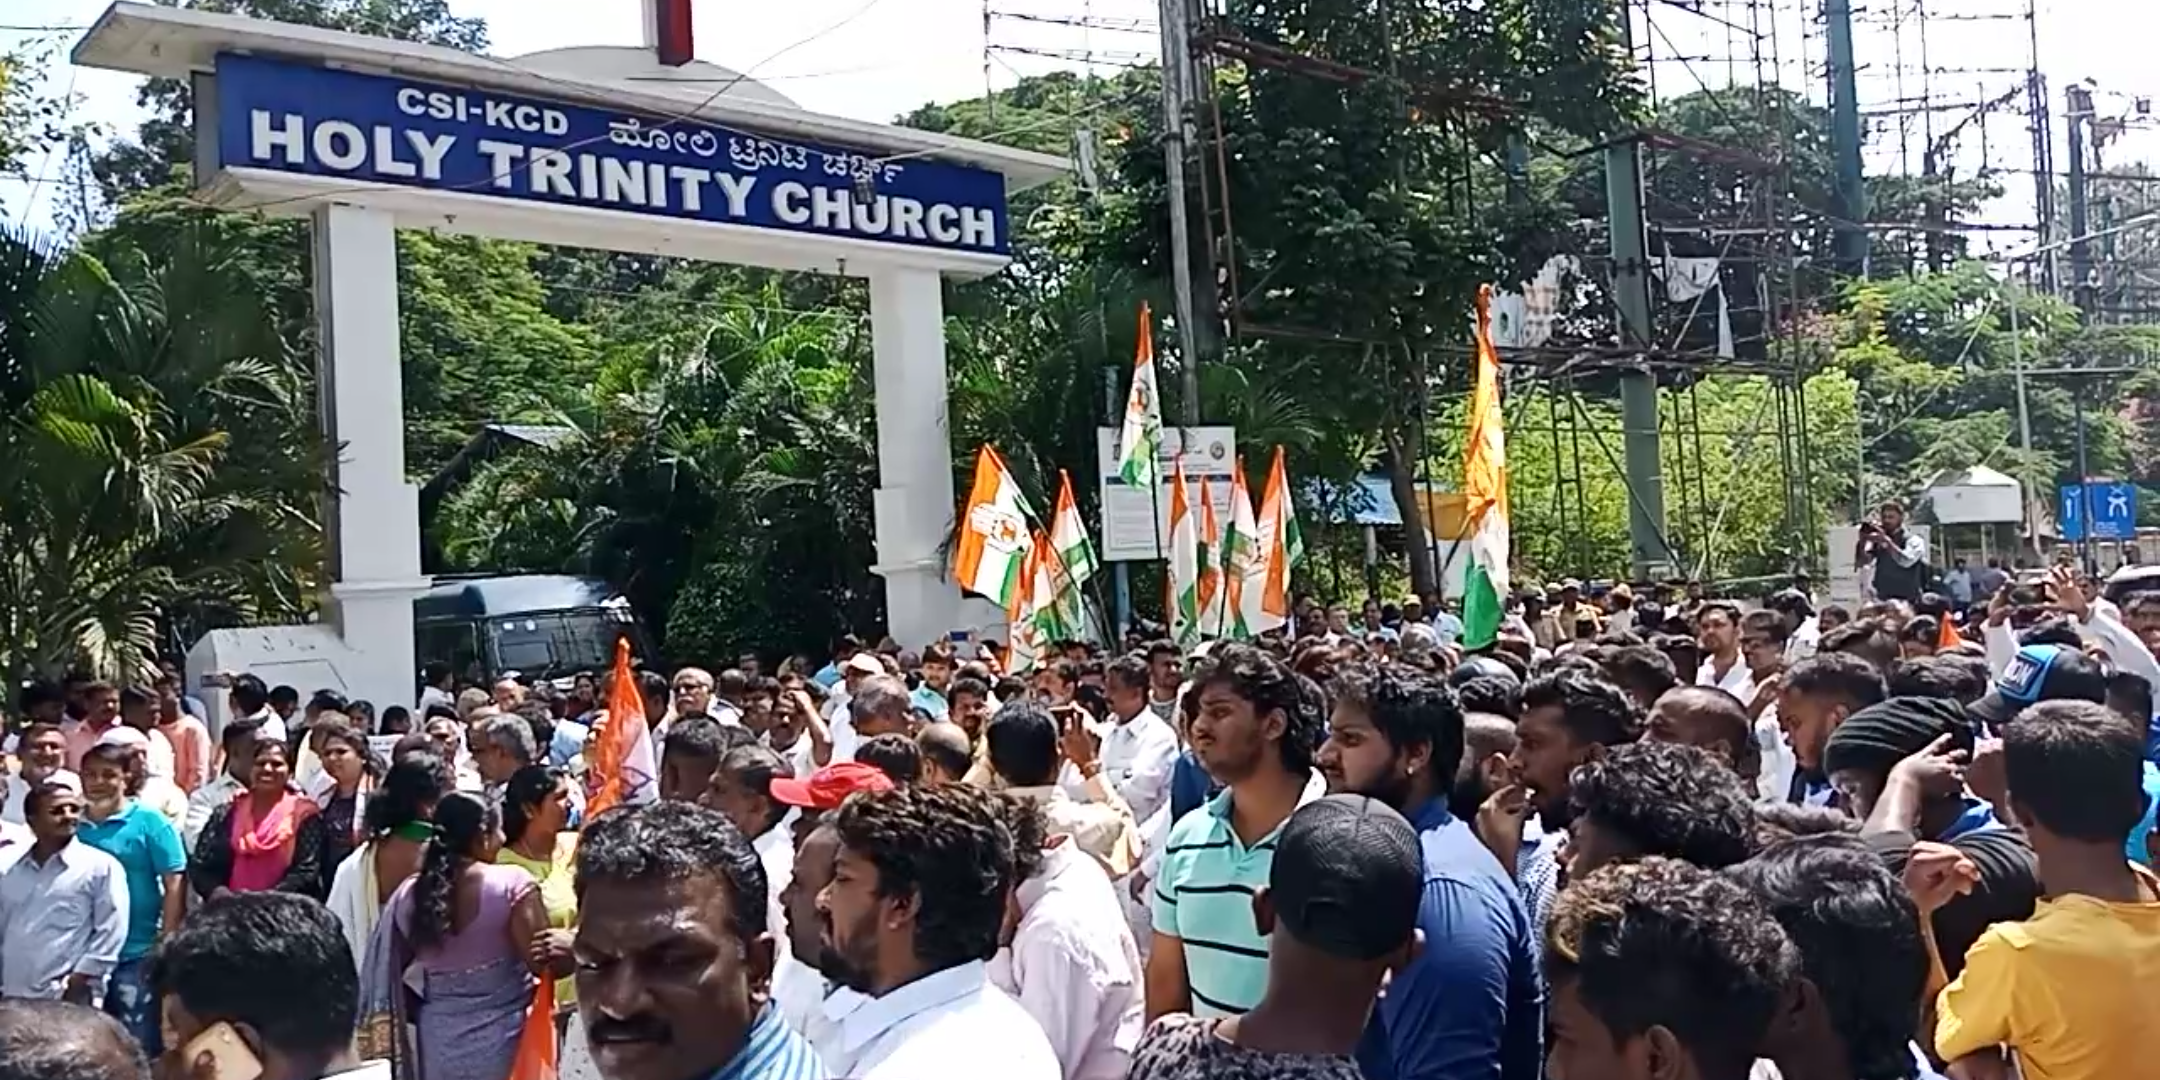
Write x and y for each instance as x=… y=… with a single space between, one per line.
x=2078 y=115
x=1176 y=93
x=1650 y=558
x=1851 y=233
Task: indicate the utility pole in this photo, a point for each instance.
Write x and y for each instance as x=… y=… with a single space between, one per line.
x=1651 y=558
x=2084 y=479
x=2017 y=375
x=2075 y=118
x=1852 y=237
x=1176 y=93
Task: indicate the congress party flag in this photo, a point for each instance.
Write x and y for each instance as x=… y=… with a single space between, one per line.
x=991 y=553
x=1140 y=439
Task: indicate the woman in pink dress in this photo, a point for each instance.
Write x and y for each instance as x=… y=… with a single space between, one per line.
x=460 y=958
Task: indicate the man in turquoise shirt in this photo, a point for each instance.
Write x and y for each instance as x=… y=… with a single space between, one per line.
x=148 y=850
x=1256 y=733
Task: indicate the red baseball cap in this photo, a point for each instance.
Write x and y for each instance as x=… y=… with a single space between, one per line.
x=830 y=786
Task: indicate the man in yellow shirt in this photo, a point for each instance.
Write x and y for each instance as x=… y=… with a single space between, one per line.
x=2068 y=992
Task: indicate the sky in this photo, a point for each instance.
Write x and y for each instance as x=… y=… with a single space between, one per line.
x=874 y=59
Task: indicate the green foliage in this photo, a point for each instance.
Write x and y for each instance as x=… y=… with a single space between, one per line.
x=157 y=455
x=28 y=117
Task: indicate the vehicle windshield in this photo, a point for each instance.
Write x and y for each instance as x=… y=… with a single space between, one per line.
x=552 y=644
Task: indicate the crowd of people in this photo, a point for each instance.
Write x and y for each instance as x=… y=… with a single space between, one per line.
x=1649 y=836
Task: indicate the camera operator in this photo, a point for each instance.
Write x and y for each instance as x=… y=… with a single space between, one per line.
x=1893 y=561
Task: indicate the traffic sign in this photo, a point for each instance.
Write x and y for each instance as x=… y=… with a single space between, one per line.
x=2113 y=506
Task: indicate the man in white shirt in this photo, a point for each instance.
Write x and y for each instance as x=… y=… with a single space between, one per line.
x=799 y=987
x=913 y=948
x=43 y=751
x=250 y=699
x=1717 y=630
x=435 y=687
x=63 y=907
x=839 y=717
x=879 y=706
x=1165 y=675
x=741 y=788
x=1138 y=750
x=238 y=743
x=1762 y=649
x=1072 y=963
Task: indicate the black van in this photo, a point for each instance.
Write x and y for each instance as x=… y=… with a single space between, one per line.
x=541 y=626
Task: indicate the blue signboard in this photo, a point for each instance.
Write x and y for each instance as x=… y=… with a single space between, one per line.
x=2112 y=507
x=298 y=118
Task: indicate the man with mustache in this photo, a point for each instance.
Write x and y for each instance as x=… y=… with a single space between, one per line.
x=1471 y=999
x=674 y=958
x=913 y=911
x=1569 y=718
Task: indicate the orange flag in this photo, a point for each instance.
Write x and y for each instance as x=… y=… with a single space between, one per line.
x=1946 y=633
x=537 y=1055
x=623 y=764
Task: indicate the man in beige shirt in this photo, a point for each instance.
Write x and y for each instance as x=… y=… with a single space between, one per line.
x=1028 y=744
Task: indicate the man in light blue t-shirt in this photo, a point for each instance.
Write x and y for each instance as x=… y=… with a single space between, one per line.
x=148 y=850
x=1256 y=734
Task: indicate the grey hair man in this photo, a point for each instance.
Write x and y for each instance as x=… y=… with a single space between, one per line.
x=879 y=707
x=501 y=745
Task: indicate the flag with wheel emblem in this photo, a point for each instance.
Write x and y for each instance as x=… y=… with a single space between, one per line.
x=1140 y=440
x=990 y=557
x=1068 y=535
x=1183 y=576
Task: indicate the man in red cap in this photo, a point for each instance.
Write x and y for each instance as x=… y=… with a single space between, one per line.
x=830 y=786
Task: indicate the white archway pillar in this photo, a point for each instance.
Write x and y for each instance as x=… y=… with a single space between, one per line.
x=915 y=477
x=372 y=521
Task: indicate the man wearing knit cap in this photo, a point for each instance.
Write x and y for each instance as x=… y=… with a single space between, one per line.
x=1339 y=912
x=1875 y=760
x=1899 y=767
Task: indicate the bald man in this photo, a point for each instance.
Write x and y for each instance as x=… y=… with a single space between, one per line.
x=1710 y=718
x=41 y=1040
x=946 y=755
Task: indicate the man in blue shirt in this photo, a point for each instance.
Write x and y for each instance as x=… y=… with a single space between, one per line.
x=1471 y=1006
x=148 y=850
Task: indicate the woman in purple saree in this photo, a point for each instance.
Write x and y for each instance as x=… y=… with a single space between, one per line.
x=449 y=975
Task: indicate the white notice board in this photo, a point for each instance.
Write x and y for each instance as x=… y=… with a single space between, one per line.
x=1132 y=516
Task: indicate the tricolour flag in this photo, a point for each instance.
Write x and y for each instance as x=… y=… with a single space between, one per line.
x=1182 y=580
x=1280 y=549
x=1485 y=497
x=1039 y=617
x=1069 y=537
x=622 y=768
x=1244 y=561
x=991 y=552
x=1140 y=439
x=1214 y=613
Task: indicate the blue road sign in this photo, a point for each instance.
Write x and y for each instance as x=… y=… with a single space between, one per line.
x=2113 y=507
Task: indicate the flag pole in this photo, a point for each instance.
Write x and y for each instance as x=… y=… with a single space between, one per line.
x=1237 y=482
x=1155 y=515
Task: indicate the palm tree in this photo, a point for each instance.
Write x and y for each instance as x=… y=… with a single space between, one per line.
x=155 y=455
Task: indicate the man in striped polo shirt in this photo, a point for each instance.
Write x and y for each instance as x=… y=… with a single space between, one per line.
x=1255 y=733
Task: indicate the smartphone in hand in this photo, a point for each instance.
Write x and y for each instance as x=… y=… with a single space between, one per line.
x=219 y=1054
